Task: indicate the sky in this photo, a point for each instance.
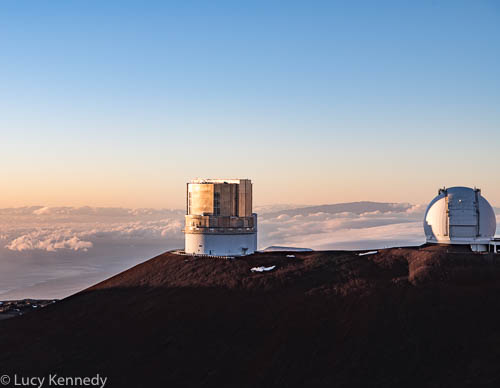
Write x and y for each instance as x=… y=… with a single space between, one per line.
x=120 y=103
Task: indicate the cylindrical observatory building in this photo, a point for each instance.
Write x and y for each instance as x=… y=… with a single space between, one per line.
x=462 y=216
x=219 y=219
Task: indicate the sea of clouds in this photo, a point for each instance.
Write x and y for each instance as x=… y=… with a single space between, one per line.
x=52 y=252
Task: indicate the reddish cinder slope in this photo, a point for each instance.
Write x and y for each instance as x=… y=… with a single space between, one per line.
x=403 y=317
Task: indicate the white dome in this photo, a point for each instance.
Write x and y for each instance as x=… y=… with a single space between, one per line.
x=459 y=215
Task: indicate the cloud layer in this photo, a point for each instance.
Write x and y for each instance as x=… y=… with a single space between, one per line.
x=344 y=226
x=79 y=228
x=55 y=251
x=49 y=241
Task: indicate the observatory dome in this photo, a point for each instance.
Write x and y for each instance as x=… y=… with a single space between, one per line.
x=460 y=215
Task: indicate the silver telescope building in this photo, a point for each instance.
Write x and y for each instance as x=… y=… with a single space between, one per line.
x=462 y=216
x=219 y=219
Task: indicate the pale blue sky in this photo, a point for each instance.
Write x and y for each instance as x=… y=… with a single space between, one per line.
x=118 y=103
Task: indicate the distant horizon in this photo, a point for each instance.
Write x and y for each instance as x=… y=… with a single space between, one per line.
x=281 y=190
x=294 y=205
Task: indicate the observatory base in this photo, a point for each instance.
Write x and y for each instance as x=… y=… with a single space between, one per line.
x=221 y=244
x=475 y=246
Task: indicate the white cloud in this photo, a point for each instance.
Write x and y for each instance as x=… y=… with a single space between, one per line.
x=49 y=241
x=83 y=236
x=54 y=229
x=41 y=211
x=328 y=227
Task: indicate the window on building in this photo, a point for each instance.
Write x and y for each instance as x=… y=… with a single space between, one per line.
x=216 y=204
x=237 y=202
x=189 y=203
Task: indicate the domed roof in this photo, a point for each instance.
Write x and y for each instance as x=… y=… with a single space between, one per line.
x=459 y=215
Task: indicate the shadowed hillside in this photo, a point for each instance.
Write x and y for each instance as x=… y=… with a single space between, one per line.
x=402 y=317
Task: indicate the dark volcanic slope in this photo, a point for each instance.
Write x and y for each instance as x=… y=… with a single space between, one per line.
x=403 y=317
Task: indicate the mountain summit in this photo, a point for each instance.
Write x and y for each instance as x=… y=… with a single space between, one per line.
x=422 y=316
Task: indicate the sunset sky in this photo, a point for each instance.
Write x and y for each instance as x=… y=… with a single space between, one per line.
x=119 y=103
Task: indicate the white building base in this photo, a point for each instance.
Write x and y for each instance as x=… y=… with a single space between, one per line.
x=220 y=244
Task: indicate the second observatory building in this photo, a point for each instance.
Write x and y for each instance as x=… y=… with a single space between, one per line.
x=461 y=216
x=219 y=219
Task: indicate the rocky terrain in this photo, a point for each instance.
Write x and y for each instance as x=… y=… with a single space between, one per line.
x=402 y=317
